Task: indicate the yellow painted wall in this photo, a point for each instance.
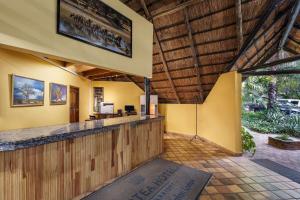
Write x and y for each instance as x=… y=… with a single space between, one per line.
x=23 y=117
x=12 y=62
x=219 y=117
x=120 y=93
x=30 y=26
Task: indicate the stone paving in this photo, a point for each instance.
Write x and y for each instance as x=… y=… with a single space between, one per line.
x=288 y=158
x=233 y=177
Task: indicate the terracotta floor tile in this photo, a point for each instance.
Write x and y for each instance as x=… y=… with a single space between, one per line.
x=235 y=188
x=233 y=177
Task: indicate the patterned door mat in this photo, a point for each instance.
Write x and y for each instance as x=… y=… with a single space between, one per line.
x=157 y=180
x=280 y=169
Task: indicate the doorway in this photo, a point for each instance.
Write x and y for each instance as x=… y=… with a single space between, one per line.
x=74 y=104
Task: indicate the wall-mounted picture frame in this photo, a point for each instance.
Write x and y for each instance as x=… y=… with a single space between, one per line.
x=27 y=92
x=95 y=23
x=58 y=94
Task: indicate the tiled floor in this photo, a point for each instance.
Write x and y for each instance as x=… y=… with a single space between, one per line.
x=233 y=177
x=288 y=158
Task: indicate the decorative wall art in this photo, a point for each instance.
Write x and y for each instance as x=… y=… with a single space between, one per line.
x=27 y=91
x=95 y=23
x=58 y=94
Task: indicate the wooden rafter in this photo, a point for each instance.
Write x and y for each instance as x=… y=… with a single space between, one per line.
x=251 y=38
x=106 y=74
x=207 y=30
x=266 y=56
x=177 y=8
x=194 y=53
x=202 y=17
x=291 y=22
x=162 y=56
x=267 y=29
x=292 y=51
x=55 y=63
x=94 y=72
x=261 y=49
x=271 y=64
x=132 y=80
x=239 y=23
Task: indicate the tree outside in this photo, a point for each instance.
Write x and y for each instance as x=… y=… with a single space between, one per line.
x=270 y=103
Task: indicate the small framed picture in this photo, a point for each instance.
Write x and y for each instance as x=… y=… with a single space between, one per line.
x=58 y=94
x=27 y=92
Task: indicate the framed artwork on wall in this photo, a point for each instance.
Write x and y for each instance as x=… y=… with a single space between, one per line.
x=58 y=94
x=27 y=91
x=95 y=23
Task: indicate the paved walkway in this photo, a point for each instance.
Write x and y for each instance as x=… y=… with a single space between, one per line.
x=288 y=158
x=233 y=178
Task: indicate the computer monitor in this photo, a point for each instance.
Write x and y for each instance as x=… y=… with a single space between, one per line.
x=129 y=108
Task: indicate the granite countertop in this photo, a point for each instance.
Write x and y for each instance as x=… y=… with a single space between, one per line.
x=24 y=138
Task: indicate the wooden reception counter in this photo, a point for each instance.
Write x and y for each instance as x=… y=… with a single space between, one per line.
x=70 y=161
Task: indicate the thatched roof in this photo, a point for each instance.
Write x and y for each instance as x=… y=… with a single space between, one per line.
x=197 y=40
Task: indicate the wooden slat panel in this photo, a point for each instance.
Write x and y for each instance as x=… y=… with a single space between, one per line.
x=74 y=168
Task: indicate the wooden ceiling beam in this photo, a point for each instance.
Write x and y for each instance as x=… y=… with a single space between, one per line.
x=208 y=30
x=292 y=51
x=261 y=49
x=55 y=63
x=182 y=69
x=187 y=77
x=267 y=29
x=271 y=64
x=266 y=56
x=94 y=72
x=132 y=80
x=177 y=8
x=206 y=54
x=239 y=23
x=294 y=40
x=201 y=17
x=205 y=65
x=162 y=56
x=251 y=39
x=194 y=53
x=200 y=44
x=105 y=75
x=183 y=86
x=268 y=73
x=137 y=83
x=290 y=24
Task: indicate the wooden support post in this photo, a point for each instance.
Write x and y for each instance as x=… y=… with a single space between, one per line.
x=147 y=95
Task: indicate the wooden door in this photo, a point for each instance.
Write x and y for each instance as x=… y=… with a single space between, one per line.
x=74 y=104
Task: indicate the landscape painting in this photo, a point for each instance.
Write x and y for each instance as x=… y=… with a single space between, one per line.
x=58 y=94
x=27 y=91
x=95 y=23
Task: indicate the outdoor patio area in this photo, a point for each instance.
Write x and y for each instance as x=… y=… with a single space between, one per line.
x=233 y=177
x=288 y=158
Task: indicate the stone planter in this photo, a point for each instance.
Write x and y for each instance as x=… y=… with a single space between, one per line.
x=281 y=144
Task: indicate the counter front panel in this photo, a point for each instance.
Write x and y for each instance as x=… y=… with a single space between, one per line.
x=73 y=167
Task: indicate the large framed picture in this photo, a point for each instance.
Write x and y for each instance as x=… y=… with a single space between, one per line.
x=58 y=94
x=95 y=23
x=27 y=91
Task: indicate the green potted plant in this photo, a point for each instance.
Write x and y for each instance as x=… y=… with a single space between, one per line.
x=248 y=143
